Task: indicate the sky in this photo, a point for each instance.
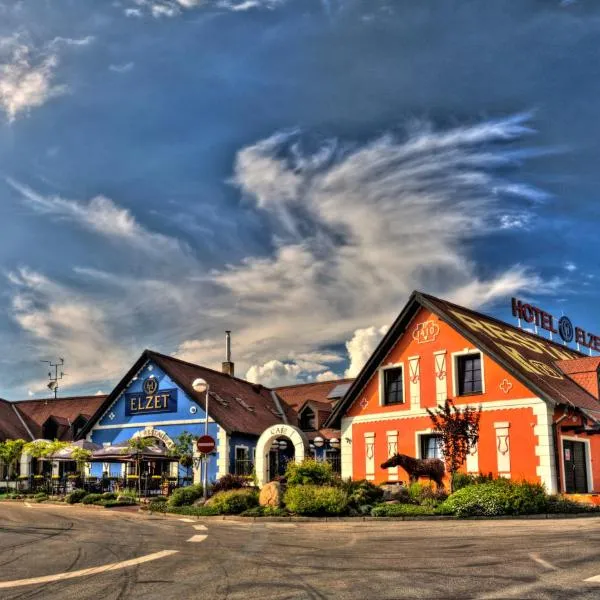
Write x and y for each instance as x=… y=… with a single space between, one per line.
x=289 y=170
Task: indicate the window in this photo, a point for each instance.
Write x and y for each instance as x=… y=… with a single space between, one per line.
x=468 y=369
x=243 y=465
x=392 y=386
x=431 y=446
x=307 y=420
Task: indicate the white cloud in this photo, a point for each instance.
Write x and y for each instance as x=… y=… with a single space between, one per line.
x=123 y=68
x=86 y=41
x=327 y=376
x=274 y=373
x=102 y=216
x=60 y=323
x=570 y=266
x=133 y=12
x=173 y=8
x=243 y=5
x=99 y=393
x=361 y=346
x=26 y=77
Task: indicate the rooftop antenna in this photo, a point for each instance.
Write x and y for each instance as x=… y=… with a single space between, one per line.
x=56 y=377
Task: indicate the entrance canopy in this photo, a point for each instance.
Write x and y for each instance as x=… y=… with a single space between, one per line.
x=123 y=453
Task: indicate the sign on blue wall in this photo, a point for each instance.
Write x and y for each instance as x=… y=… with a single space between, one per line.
x=151 y=400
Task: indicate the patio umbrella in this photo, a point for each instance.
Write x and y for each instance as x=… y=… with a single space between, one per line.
x=122 y=453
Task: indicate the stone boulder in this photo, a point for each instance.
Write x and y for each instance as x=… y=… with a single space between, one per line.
x=270 y=495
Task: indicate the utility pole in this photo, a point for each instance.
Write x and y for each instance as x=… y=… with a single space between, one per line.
x=56 y=376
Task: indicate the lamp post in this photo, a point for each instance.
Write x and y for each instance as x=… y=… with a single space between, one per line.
x=200 y=385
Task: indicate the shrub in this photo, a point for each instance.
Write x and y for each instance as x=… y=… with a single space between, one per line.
x=125 y=501
x=156 y=506
x=185 y=496
x=91 y=499
x=425 y=494
x=234 y=502
x=194 y=511
x=316 y=500
x=561 y=505
x=229 y=482
x=265 y=511
x=500 y=497
x=41 y=497
x=401 y=510
x=461 y=480
x=109 y=496
x=361 y=493
x=309 y=472
x=76 y=496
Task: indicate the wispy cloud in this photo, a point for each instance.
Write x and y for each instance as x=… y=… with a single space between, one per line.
x=85 y=41
x=172 y=8
x=26 y=77
x=102 y=216
x=122 y=68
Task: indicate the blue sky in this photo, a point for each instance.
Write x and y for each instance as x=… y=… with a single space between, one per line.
x=290 y=170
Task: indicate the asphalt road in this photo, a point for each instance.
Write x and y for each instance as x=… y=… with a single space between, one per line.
x=231 y=560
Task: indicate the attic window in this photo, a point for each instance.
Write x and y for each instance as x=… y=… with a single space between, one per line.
x=219 y=399
x=307 y=420
x=243 y=403
x=275 y=412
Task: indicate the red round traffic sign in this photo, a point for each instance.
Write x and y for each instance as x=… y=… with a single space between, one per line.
x=205 y=444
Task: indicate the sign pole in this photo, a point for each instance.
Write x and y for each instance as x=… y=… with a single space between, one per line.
x=205 y=482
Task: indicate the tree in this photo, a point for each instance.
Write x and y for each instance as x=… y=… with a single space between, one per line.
x=184 y=449
x=459 y=432
x=137 y=446
x=10 y=453
x=81 y=456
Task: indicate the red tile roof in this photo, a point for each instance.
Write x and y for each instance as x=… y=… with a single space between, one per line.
x=11 y=426
x=65 y=410
x=579 y=365
x=296 y=395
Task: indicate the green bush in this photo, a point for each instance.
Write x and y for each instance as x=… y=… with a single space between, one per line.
x=425 y=494
x=185 y=496
x=91 y=499
x=401 y=510
x=76 y=496
x=499 y=497
x=316 y=500
x=109 y=496
x=229 y=482
x=125 y=501
x=461 y=480
x=157 y=506
x=265 y=511
x=40 y=497
x=361 y=493
x=309 y=472
x=194 y=511
x=560 y=505
x=234 y=502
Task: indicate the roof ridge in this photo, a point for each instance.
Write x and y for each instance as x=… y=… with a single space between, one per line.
x=503 y=323
x=293 y=385
x=56 y=399
x=191 y=364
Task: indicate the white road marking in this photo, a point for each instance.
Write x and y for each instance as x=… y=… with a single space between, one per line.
x=595 y=579
x=540 y=561
x=200 y=527
x=27 y=505
x=197 y=538
x=85 y=572
x=280 y=525
x=187 y=520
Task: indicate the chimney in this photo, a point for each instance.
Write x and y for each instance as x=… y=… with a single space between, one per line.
x=228 y=367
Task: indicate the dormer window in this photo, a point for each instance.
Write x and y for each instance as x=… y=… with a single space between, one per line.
x=50 y=429
x=308 y=421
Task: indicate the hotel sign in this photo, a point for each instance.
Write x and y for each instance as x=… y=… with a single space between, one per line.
x=151 y=400
x=562 y=326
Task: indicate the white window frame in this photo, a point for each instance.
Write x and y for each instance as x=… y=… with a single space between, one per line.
x=455 y=356
x=588 y=461
x=382 y=371
x=418 y=435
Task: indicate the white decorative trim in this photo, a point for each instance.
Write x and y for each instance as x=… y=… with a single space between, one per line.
x=544 y=449
x=369 y=455
x=441 y=375
x=223 y=452
x=414 y=381
x=346 y=448
x=455 y=356
x=392 y=448
x=152 y=424
x=588 y=460
x=413 y=414
x=503 y=448
x=381 y=372
x=472 y=462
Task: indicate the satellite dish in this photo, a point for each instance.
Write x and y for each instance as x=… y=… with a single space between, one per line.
x=53 y=385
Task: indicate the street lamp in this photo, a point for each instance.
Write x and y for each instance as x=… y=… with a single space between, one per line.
x=200 y=385
x=319 y=442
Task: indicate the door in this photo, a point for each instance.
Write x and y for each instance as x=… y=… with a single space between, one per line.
x=575 y=462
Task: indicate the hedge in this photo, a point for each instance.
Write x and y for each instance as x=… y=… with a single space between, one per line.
x=316 y=500
x=399 y=510
x=234 y=502
x=309 y=472
x=185 y=496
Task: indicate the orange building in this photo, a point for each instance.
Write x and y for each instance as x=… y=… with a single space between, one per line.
x=539 y=399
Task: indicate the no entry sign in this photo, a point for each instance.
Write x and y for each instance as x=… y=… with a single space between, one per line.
x=205 y=444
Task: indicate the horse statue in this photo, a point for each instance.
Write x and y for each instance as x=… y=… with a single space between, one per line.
x=418 y=467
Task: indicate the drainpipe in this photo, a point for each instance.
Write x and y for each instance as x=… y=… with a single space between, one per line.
x=557 y=454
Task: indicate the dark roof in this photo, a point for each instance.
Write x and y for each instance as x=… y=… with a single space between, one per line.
x=63 y=410
x=11 y=426
x=235 y=404
x=296 y=395
x=485 y=332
